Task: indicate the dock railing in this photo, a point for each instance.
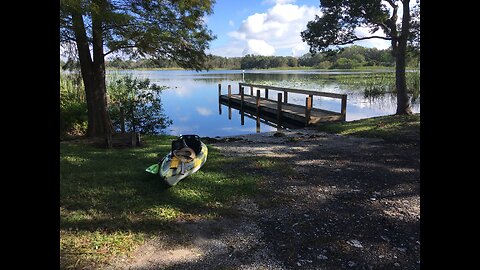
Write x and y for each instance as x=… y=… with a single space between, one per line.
x=308 y=99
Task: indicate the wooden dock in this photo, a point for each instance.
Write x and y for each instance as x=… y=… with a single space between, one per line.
x=279 y=110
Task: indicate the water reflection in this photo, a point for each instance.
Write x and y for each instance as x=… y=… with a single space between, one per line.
x=191 y=98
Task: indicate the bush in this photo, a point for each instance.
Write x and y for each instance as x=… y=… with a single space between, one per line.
x=413 y=85
x=73 y=119
x=140 y=102
x=344 y=63
x=324 y=65
x=73 y=107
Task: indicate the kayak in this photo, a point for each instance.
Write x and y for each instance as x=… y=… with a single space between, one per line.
x=187 y=156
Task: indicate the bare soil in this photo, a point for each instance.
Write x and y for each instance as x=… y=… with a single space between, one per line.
x=345 y=203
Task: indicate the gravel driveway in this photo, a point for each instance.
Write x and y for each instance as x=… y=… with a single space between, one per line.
x=346 y=203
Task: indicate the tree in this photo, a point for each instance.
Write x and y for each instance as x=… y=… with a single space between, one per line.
x=342 y=17
x=162 y=29
x=292 y=61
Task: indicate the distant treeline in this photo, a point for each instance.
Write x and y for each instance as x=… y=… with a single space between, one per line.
x=350 y=57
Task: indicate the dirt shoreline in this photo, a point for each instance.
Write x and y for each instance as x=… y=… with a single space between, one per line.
x=345 y=203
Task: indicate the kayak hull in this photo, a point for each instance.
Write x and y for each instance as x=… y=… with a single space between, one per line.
x=173 y=175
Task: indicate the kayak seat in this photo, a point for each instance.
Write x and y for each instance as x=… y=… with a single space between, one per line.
x=175 y=162
x=178 y=144
x=185 y=154
x=193 y=141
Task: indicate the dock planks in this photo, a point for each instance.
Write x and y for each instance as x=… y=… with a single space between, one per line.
x=292 y=112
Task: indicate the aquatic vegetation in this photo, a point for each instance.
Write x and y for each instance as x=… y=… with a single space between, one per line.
x=376 y=84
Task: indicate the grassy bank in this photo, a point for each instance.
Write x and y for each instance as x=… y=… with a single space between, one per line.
x=109 y=205
x=390 y=128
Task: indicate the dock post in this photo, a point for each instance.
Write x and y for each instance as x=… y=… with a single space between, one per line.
x=279 y=109
x=220 y=99
x=242 y=98
x=266 y=93
x=258 y=125
x=251 y=90
x=258 y=103
x=308 y=110
x=285 y=96
x=258 y=111
x=229 y=94
x=344 y=107
x=311 y=100
x=242 y=117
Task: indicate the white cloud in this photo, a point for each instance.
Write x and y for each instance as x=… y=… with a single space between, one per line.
x=370 y=43
x=232 y=49
x=184 y=118
x=277 y=30
x=300 y=49
x=258 y=47
x=204 y=111
x=181 y=91
x=237 y=35
x=231 y=23
x=273 y=2
x=266 y=33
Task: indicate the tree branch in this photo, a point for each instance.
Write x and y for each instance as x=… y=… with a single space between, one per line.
x=362 y=38
x=119 y=48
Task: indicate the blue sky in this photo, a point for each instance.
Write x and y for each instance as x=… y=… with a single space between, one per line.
x=265 y=27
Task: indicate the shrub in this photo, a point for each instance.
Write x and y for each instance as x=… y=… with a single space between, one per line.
x=344 y=63
x=73 y=107
x=140 y=102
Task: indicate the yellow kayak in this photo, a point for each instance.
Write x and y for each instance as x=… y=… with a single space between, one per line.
x=187 y=156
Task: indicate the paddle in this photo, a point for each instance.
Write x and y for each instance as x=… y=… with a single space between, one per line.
x=153 y=169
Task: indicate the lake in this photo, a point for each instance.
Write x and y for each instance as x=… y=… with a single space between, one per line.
x=191 y=98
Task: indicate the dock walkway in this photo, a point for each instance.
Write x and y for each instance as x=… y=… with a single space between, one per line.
x=282 y=111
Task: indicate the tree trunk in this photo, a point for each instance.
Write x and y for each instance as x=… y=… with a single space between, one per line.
x=93 y=71
x=86 y=66
x=403 y=102
x=101 y=118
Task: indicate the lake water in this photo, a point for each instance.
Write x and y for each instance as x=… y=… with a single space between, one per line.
x=191 y=98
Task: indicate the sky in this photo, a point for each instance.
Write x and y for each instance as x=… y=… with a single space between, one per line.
x=266 y=27
x=269 y=27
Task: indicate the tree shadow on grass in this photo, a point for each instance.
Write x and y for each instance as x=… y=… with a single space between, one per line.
x=291 y=223
x=108 y=191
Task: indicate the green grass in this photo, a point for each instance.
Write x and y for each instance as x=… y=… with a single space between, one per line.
x=390 y=127
x=109 y=205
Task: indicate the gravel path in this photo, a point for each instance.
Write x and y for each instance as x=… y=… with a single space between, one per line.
x=346 y=203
